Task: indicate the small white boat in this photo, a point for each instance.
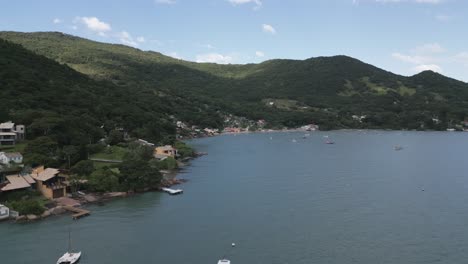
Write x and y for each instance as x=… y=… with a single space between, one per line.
x=224 y=261
x=172 y=191
x=69 y=257
x=397 y=147
x=4 y=212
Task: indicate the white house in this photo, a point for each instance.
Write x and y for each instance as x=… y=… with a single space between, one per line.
x=11 y=133
x=13 y=157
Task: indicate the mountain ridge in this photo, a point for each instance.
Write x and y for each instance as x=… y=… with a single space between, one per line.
x=323 y=90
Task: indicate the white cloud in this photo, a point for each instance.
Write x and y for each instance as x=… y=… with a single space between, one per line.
x=427 y=67
x=141 y=39
x=94 y=24
x=259 y=54
x=214 y=58
x=207 y=46
x=424 y=54
x=268 y=29
x=57 y=21
x=175 y=55
x=443 y=18
x=429 y=48
x=126 y=39
x=424 y=57
x=462 y=57
x=429 y=1
x=407 y=58
x=401 y=1
x=166 y=2
x=258 y=3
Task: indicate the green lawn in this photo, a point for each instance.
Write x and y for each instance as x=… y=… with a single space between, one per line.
x=111 y=153
x=19 y=147
x=100 y=164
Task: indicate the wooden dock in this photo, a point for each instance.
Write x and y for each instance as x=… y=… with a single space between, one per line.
x=78 y=212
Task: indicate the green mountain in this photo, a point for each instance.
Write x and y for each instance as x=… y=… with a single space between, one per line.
x=324 y=90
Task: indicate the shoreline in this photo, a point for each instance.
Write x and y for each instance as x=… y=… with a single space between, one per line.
x=82 y=201
x=170 y=177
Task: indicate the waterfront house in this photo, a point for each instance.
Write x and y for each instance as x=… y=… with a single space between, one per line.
x=13 y=157
x=17 y=182
x=49 y=183
x=165 y=151
x=4 y=212
x=11 y=133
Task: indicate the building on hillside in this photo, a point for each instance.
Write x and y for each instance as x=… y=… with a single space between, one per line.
x=167 y=151
x=11 y=133
x=49 y=183
x=17 y=182
x=8 y=158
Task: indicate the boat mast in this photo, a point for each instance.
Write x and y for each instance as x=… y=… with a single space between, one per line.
x=69 y=240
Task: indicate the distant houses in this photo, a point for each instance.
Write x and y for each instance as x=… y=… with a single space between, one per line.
x=8 y=158
x=11 y=133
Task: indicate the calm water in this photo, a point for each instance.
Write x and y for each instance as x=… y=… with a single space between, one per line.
x=358 y=201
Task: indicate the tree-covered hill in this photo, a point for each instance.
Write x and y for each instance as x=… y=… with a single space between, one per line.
x=323 y=90
x=62 y=107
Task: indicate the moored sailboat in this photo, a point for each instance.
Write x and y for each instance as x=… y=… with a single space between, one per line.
x=69 y=257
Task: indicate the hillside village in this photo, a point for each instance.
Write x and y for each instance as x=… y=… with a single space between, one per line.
x=30 y=190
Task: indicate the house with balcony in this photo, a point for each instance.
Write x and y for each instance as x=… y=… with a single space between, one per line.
x=49 y=182
x=165 y=152
x=10 y=133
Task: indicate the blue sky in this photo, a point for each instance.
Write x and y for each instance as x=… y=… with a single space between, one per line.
x=402 y=36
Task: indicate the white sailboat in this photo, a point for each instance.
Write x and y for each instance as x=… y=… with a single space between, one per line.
x=69 y=257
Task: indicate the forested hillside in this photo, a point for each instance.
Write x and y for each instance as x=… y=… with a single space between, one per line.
x=324 y=90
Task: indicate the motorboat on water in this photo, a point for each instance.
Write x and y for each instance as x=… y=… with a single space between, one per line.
x=69 y=257
x=397 y=147
x=329 y=142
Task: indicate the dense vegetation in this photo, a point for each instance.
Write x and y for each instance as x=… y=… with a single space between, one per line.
x=324 y=90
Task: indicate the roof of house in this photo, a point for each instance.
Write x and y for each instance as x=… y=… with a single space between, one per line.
x=16 y=182
x=167 y=147
x=7 y=125
x=29 y=179
x=45 y=175
x=12 y=155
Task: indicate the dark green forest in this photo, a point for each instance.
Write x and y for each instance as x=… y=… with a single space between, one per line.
x=324 y=90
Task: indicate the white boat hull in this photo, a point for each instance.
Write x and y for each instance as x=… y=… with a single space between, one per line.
x=69 y=258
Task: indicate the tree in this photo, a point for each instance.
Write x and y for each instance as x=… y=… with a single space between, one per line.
x=104 y=180
x=83 y=168
x=136 y=175
x=69 y=151
x=41 y=151
x=114 y=137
